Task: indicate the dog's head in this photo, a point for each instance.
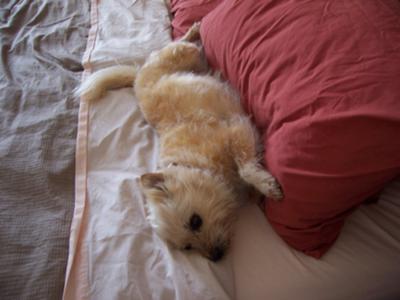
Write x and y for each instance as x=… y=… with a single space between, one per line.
x=191 y=209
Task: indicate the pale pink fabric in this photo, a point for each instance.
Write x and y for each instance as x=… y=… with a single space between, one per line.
x=75 y=286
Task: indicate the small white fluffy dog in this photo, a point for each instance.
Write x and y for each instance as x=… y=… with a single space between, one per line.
x=208 y=152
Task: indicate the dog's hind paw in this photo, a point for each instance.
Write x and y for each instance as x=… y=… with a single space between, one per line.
x=193 y=34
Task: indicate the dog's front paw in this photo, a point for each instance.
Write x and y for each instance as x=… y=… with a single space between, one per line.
x=261 y=179
x=272 y=190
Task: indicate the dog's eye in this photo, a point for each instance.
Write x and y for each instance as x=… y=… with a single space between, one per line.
x=195 y=222
x=188 y=247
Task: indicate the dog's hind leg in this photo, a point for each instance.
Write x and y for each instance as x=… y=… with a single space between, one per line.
x=193 y=34
x=154 y=86
x=243 y=144
x=177 y=57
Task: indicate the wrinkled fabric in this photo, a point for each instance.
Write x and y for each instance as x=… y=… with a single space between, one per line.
x=114 y=43
x=42 y=43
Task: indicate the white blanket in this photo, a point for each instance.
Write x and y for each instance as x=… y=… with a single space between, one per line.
x=114 y=253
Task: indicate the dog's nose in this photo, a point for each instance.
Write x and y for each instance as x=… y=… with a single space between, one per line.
x=216 y=254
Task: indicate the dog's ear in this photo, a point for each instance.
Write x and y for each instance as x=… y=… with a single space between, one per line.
x=154 y=182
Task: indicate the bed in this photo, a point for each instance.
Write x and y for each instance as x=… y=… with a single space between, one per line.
x=73 y=220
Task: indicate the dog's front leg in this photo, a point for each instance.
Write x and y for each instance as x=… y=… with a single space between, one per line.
x=254 y=174
x=243 y=143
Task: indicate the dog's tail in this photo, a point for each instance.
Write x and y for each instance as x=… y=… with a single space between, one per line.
x=109 y=78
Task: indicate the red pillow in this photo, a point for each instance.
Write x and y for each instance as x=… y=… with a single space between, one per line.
x=321 y=79
x=187 y=12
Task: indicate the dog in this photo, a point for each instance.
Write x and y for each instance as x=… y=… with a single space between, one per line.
x=208 y=146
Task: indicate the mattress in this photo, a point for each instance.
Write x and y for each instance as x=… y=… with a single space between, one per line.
x=115 y=254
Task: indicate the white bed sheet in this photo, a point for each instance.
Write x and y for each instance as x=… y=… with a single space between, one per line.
x=114 y=253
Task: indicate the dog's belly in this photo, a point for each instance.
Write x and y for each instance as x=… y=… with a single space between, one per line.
x=199 y=145
x=187 y=97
